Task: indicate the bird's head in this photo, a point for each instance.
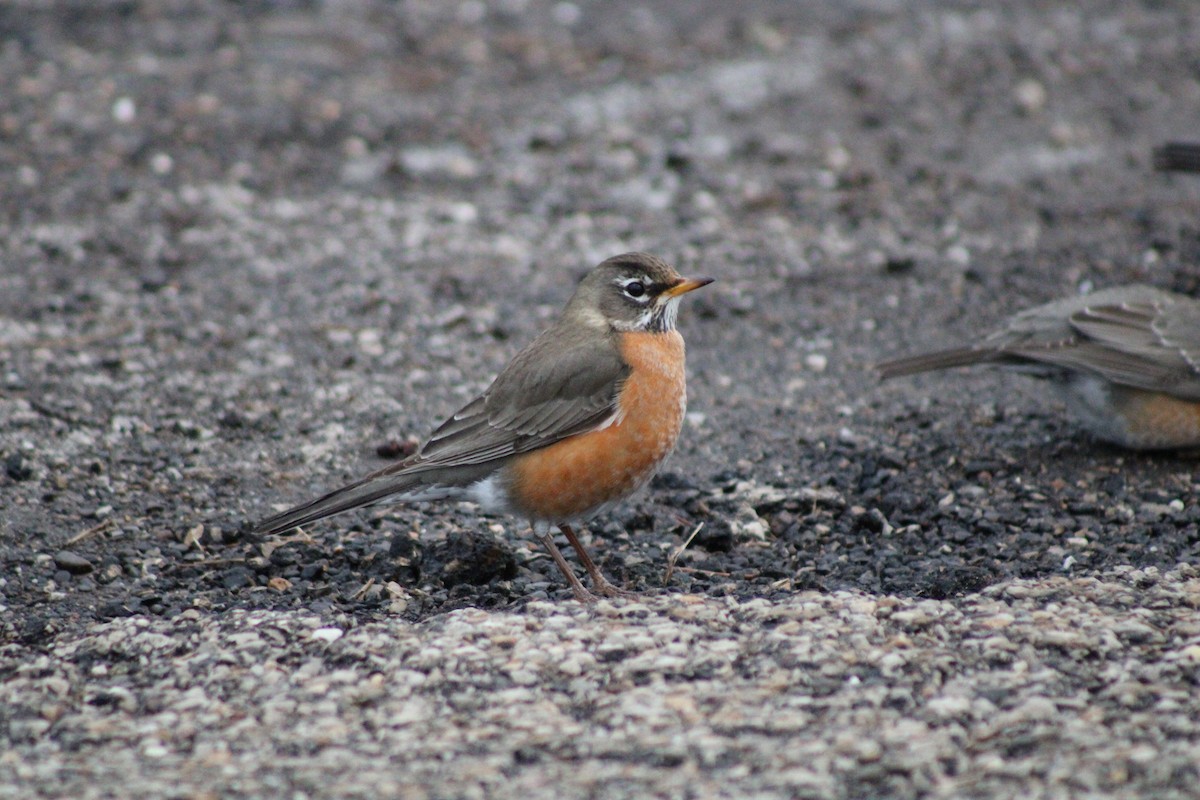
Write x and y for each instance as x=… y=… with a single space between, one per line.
x=632 y=292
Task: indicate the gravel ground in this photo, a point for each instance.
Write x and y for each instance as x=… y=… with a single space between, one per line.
x=250 y=250
x=812 y=695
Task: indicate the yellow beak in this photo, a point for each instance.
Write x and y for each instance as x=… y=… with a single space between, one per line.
x=686 y=285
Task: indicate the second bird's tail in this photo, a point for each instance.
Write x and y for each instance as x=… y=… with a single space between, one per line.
x=943 y=359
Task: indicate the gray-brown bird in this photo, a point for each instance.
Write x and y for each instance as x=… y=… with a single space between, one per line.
x=1127 y=361
x=577 y=421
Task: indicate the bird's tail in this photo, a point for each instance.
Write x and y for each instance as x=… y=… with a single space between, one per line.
x=364 y=492
x=1177 y=157
x=942 y=359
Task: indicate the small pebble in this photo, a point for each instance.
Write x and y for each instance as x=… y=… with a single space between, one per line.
x=17 y=468
x=328 y=634
x=72 y=562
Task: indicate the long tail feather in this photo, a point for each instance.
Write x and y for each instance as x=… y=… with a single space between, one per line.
x=943 y=359
x=364 y=492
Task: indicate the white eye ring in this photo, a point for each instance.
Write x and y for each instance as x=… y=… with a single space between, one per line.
x=635 y=289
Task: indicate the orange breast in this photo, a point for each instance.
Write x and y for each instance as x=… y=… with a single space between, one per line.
x=577 y=476
x=1152 y=420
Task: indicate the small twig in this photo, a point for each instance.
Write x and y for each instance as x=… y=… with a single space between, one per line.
x=711 y=572
x=276 y=542
x=362 y=591
x=671 y=559
x=212 y=562
x=90 y=532
x=193 y=536
x=207 y=562
x=61 y=416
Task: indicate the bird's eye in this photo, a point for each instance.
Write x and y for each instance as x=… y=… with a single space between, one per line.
x=635 y=288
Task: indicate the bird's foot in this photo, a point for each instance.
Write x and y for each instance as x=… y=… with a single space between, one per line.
x=602 y=586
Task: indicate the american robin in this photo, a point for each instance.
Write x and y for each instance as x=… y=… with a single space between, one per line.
x=578 y=420
x=1127 y=360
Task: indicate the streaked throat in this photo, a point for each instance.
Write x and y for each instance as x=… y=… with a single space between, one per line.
x=657 y=318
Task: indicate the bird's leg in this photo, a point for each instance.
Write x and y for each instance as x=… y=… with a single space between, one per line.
x=599 y=582
x=580 y=592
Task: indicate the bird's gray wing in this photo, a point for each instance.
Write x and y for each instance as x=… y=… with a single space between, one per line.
x=1152 y=343
x=566 y=382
